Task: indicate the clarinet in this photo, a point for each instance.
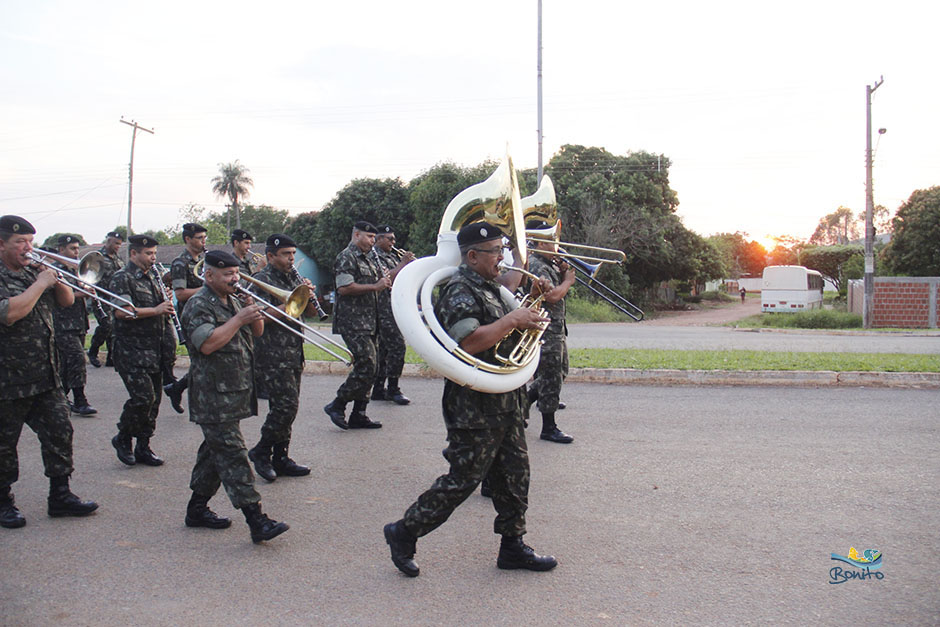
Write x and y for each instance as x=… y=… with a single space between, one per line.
x=313 y=299
x=160 y=271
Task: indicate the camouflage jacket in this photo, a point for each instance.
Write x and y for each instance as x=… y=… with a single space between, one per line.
x=278 y=347
x=545 y=269
x=73 y=319
x=109 y=265
x=221 y=387
x=27 y=346
x=355 y=314
x=467 y=302
x=181 y=272
x=388 y=262
x=137 y=342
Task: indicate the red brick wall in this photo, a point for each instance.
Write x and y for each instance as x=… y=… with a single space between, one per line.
x=902 y=304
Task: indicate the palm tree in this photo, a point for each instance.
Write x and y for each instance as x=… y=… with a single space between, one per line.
x=233 y=181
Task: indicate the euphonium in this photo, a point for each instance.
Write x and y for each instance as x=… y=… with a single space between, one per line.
x=495 y=200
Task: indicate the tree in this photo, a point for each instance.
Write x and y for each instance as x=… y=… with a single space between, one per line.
x=738 y=255
x=838 y=227
x=260 y=221
x=233 y=181
x=880 y=219
x=915 y=246
x=831 y=261
x=53 y=240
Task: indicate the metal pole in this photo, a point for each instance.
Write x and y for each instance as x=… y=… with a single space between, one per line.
x=868 y=310
x=130 y=179
x=539 y=179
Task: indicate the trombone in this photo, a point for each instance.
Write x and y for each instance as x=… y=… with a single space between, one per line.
x=255 y=260
x=613 y=298
x=295 y=302
x=88 y=270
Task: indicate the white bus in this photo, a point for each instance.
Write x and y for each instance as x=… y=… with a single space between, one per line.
x=790 y=289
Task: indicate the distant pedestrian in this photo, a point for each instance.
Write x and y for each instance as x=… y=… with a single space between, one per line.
x=743 y=295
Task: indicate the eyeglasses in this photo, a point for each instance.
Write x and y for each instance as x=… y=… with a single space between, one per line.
x=491 y=251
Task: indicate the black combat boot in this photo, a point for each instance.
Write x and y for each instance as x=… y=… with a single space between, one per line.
x=485 y=489
x=284 y=466
x=144 y=455
x=378 y=389
x=358 y=418
x=109 y=362
x=198 y=514
x=532 y=395
x=514 y=553
x=93 y=357
x=122 y=444
x=10 y=517
x=174 y=392
x=63 y=503
x=403 y=546
x=551 y=432
x=262 y=527
x=81 y=406
x=336 y=410
x=260 y=456
x=394 y=393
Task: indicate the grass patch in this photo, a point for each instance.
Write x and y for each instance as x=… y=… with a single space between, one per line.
x=815 y=319
x=580 y=310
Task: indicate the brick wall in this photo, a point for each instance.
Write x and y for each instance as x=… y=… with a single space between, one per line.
x=906 y=302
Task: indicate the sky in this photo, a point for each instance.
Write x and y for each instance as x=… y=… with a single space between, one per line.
x=759 y=106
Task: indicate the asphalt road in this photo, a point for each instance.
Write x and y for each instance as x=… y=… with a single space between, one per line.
x=687 y=505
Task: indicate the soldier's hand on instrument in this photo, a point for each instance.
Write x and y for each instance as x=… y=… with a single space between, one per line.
x=526 y=318
x=247 y=300
x=165 y=307
x=563 y=266
x=48 y=278
x=408 y=257
x=383 y=284
x=249 y=314
x=541 y=287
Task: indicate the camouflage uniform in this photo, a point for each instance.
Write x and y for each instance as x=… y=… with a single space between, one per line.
x=221 y=393
x=391 y=350
x=30 y=389
x=104 y=332
x=486 y=432
x=355 y=318
x=280 y=364
x=71 y=324
x=181 y=277
x=553 y=364
x=138 y=351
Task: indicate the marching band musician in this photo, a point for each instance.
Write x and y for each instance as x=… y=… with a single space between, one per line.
x=279 y=366
x=221 y=393
x=30 y=389
x=241 y=248
x=185 y=283
x=355 y=318
x=485 y=432
x=553 y=362
x=138 y=347
x=71 y=324
x=104 y=332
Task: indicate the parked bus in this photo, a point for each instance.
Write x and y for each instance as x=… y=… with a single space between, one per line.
x=790 y=289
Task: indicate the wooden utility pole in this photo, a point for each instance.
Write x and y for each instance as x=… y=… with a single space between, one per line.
x=130 y=177
x=869 y=308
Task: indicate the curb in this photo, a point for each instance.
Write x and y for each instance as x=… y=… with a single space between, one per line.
x=630 y=376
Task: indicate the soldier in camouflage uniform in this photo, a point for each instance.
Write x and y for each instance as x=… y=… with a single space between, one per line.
x=241 y=248
x=355 y=317
x=104 y=332
x=138 y=347
x=486 y=432
x=71 y=324
x=279 y=367
x=185 y=284
x=221 y=393
x=391 y=355
x=30 y=389
x=553 y=363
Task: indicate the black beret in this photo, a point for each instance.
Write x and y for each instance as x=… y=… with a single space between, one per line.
x=279 y=240
x=115 y=234
x=144 y=241
x=191 y=228
x=385 y=229
x=16 y=224
x=476 y=233
x=239 y=235
x=365 y=227
x=65 y=240
x=537 y=225
x=221 y=259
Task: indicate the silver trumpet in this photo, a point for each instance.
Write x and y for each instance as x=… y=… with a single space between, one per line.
x=88 y=272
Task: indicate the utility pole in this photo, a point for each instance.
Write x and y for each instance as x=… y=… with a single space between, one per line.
x=868 y=310
x=130 y=177
x=539 y=179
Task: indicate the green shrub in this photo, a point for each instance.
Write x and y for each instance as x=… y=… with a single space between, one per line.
x=718 y=296
x=815 y=319
x=582 y=310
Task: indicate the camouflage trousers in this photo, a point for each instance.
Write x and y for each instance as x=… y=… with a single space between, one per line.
x=139 y=418
x=391 y=354
x=70 y=348
x=168 y=351
x=552 y=370
x=104 y=333
x=223 y=460
x=501 y=456
x=358 y=384
x=47 y=414
x=282 y=386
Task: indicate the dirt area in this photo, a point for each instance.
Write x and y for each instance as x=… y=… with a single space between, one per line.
x=706 y=316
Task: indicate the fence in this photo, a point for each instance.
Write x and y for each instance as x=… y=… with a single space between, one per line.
x=902 y=302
